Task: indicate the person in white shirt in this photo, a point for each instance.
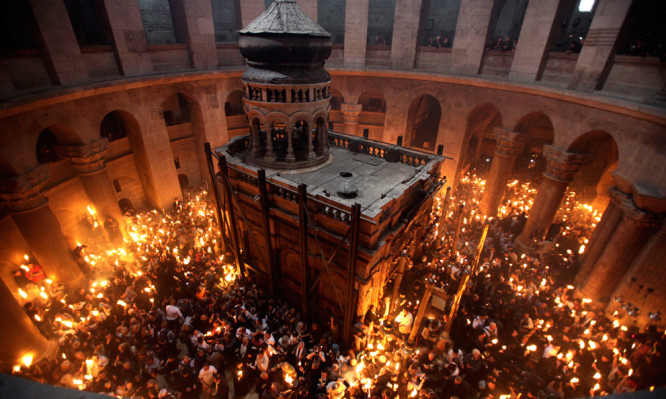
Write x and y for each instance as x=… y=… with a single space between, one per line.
x=207 y=377
x=173 y=314
x=404 y=320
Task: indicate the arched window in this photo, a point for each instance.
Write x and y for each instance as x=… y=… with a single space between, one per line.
x=46 y=143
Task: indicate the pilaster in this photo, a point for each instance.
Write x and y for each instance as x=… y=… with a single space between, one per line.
x=129 y=37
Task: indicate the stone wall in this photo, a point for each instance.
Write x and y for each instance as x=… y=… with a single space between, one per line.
x=157 y=21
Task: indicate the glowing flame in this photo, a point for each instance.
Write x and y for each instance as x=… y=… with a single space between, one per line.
x=27 y=360
x=22 y=293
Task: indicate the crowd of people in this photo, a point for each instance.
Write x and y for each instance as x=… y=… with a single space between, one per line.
x=168 y=317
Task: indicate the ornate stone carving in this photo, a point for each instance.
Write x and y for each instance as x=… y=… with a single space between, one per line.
x=24 y=193
x=351 y=112
x=88 y=158
x=562 y=165
x=509 y=143
x=638 y=216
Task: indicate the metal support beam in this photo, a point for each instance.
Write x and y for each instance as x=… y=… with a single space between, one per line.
x=423 y=306
x=397 y=281
x=456 y=237
x=305 y=265
x=466 y=276
x=273 y=272
x=216 y=193
x=224 y=171
x=351 y=274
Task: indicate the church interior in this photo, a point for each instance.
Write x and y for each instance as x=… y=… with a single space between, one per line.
x=332 y=198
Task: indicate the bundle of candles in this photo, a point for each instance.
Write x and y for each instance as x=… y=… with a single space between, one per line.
x=519 y=329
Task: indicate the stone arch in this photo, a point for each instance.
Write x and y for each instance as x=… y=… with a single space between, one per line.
x=114 y=126
x=176 y=109
x=336 y=99
x=478 y=139
x=186 y=109
x=131 y=129
x=594 y=178
x=45 y=150
x=125 y=204
x=237 y=120
x=373 y=100
x=233 y=105
x=373 y=113
x=423 y=120
x=540 y=132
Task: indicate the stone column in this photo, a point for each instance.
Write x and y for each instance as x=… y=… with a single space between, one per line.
x=196 y=17
x=63 y=55
x=39 y=226
x=540 y=27
x=88 y=162
x=628 y=239
x=309 y=130
x=642 y=284
x=470 y=38
x=251 y=9
x=405 y=33
x=269 y=155
x=509 y=146
x=595 y=57
x=601 y=235
x=129 y=38
x=351 y=113
x=356 y=32
x=560 y=168
x=290 y=142
x=20 y=335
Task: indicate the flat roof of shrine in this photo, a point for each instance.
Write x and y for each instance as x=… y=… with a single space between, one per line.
x=379 y=178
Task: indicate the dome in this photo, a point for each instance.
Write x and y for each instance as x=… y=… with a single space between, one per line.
x=288 y=43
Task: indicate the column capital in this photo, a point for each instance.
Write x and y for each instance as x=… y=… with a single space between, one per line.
x=88 y=158
x=561 y=165
x=23 y=193
x=509 y=143
x=639 y=217
x=351 y=110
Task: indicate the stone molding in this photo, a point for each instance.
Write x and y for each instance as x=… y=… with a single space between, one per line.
x=24 y=193
x=562 y=165
x=351 y=112
x=636 y=215
x=88 y=158
x=509 y=143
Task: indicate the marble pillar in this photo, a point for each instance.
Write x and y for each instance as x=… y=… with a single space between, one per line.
x=509 y=146
x=560 y=169
x=20 y=335
x=22 y=196
x=601 y=235
x=351 y=114
x=88 y=162
x=627 y=240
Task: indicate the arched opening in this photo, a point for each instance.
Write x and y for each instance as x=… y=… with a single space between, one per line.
x=125 y=205
x=335 y=116
x=594 y=178
x=373 y=113
x=113 y=126
x=46 y=144
x=302 y=129
x=237 y=122
x=479 y=138
x=540 y=132
x=423 y=122
x=176 y=110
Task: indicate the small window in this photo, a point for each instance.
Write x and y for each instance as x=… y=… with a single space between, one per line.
x=177 y=162
x=585 y=5
x=116 y=186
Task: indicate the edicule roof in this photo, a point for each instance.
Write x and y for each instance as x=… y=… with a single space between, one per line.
x=284 y=17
